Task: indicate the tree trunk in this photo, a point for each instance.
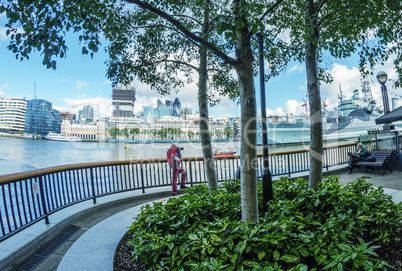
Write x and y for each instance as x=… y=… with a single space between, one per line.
x=313 y=88
x=203 y=106
x=248 y=152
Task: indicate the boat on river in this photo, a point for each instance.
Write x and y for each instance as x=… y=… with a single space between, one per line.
x=59 y=137
x=219 y=153
x=352 y=118
x=223 y=154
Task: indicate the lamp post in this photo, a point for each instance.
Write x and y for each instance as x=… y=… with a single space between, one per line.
x=267 y=191
x=382 y=79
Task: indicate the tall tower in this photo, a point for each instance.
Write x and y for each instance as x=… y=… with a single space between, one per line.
x=176 y=108
x=366 y=89
x=88 y=113
x=123 y=99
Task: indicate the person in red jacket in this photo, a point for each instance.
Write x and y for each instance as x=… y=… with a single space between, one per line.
x=174 y=159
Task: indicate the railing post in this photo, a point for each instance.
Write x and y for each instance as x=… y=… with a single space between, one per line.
x=142 y=178
x=42 y=197
x=326 y=158
x=288 y=155
x=191 y=174
x=93 y=185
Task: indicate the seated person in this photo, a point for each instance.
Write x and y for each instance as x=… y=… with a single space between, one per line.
x=358 y=155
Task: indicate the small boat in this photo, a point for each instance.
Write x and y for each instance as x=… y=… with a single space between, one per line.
x=224 y=153
x=60 y=137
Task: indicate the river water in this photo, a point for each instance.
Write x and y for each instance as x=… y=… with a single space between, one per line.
x=19 y=155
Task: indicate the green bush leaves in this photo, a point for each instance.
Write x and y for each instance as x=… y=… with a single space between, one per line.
x=329 y=227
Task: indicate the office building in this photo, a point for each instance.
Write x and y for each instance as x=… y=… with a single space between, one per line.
x=176 y=108
x=123 y=99
x=12 y=115
x=41 y=118
x=67 y=117
x=87 y=114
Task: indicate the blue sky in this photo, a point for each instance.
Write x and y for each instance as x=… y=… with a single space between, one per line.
x=80 y=80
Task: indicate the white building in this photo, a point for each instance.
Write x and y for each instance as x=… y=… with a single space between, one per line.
x=12 y=115
x=94 y=131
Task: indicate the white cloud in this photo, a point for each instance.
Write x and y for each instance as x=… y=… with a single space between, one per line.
x=80 y=84
x=296 y=68
x=3 y=36
x=224 y=116
x=347 y=79
x=102 y=107
x=107 y=82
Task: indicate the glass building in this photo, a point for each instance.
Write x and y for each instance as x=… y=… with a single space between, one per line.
x=176 y=108
x=87 y=113
x=41 y=118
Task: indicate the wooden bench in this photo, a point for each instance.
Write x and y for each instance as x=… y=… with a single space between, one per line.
x=382 y=161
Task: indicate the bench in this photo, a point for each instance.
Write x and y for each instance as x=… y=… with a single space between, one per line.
x=382 y=161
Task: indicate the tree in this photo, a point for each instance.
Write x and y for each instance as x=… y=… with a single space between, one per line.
x=338 y=29
x=155 y=61
x=218 y=133
x=232 y=28
x=228 y=132
x=124 y=132
x=135 y=131
x=190 y=134
x=114 y=132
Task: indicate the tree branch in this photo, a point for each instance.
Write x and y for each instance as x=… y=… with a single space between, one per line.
x=184 y=30
x=270 y=9
x=175 y=62
x=189 y=17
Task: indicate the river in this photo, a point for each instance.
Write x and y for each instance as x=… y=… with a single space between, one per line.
x=19 y=155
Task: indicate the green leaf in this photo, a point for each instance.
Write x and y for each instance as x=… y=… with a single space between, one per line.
x=290 y=258
x=304 y=252
x=252 y=264
x=216 y=238
x=233 y=258
x=192 y=237
x=321 y=258
x=84 y=50
x=261 y=255
x=276 y=255
x=345 y=247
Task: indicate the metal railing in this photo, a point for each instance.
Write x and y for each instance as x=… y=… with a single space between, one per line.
x=26 y=198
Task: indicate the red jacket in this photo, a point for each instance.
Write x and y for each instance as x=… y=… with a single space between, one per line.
x=170 y=152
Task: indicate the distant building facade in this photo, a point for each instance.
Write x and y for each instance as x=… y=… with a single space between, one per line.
x=67 y=116
x=12 y=115
x=41 y=118
x=87 y=113
x=162 y=110
x=123 y=99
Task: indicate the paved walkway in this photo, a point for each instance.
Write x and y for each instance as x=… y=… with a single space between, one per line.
x=93 y=247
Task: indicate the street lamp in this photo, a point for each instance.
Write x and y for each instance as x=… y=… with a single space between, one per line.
x=382 y=79
x=267 y=191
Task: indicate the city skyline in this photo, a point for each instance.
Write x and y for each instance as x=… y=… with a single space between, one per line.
x=79 y=80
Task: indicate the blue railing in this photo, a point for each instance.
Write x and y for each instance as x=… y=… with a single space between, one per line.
x=26 y=198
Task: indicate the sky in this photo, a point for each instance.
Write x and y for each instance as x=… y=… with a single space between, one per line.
x=79 y=80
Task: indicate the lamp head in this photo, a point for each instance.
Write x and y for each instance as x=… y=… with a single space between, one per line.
x=382 y=77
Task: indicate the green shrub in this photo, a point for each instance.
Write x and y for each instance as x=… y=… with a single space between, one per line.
x=329 y=227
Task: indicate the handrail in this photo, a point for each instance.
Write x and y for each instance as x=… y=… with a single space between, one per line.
x=36 y=172
x=28 y=197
